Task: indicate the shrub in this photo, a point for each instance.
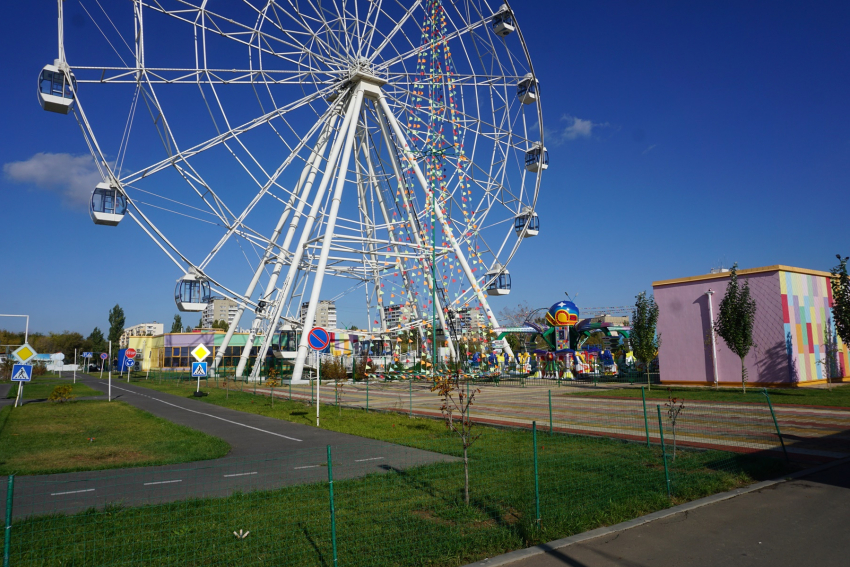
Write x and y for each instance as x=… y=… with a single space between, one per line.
x=61 y=393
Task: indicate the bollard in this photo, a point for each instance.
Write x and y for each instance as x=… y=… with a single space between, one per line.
x=536 y=482
x=333 y=512
x=664 y=453
x=7 y=538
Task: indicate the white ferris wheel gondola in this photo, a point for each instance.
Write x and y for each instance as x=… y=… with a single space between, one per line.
x=536 y=158
x=501 y=280
x=526 y=89
x=56 y=88
x=503 y=23
x=527 y=217
x=192 y=292
x=108 y=205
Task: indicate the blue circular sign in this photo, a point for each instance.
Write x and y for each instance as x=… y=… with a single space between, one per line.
x=318 y=338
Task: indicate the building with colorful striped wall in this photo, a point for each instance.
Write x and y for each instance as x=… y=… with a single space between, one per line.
x=793 y=310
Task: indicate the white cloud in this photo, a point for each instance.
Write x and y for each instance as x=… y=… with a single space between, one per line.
x=576 y=128
x=72 y=177
x=649 y=149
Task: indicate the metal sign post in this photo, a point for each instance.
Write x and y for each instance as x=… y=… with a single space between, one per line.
x=199 y=368
x=318 y=340
x=21 y=373
x=110 y=372
x=75 y=366
x=129 y=355
x=103 y=357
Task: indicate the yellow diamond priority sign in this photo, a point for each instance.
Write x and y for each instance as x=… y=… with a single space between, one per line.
x=200 y=352
x=24 y=353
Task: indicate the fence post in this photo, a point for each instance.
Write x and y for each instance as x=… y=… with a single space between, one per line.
x=367 y=393
x=290 y=389
x=7 y=539
x=550 y=412
x=336 y=394
x=776 y=424
x=333 y=512
x=410 y=405
x=311 y=391
x=664 y=452
x=536 y=481
x=645 y=419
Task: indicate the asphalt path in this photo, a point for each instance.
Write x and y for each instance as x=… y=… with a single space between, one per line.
x=266 y=453
x=798 y=522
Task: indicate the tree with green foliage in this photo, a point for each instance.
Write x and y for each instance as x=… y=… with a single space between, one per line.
x=95 y=341
x=177 y=325
x=116 y=325
x=219 y=324
x=736 y=319
x=644 y=339
x=841 y=299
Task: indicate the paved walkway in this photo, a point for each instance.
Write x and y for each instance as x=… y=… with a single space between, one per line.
x=799 y=522
x=266 y=453
x=813 y=434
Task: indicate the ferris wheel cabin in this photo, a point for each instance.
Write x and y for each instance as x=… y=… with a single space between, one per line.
x=527 y=218
x=55 y=90
x=501 y=284
x=526 y=89
x=536 y=159
x=108 y=205
x=192 y=292
x=503 y=23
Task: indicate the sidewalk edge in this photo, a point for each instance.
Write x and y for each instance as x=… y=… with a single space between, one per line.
x=520 y=554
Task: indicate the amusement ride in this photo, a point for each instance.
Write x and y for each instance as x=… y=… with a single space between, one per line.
x=397 y=146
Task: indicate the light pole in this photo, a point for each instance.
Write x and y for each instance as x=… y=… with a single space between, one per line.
x=709 y=293
x=26 y=329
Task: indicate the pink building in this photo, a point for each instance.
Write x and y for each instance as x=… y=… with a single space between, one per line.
x=792 y=310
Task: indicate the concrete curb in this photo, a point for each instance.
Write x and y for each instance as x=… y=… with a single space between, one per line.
x=520 y=554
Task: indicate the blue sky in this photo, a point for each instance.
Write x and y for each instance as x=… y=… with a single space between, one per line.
x=680 y=136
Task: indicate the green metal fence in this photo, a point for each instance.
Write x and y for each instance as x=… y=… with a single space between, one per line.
x=369 y=502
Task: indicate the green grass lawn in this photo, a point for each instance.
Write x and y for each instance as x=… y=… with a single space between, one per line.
x=41 y=386
x=415 y=516
x=40 y=438
x=838 y=396
x=408 y=516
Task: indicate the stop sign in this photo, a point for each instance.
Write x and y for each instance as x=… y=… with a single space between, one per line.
x=131 y=353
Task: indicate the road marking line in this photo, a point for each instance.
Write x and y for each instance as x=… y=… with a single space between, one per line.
x=363 y=460
x=208 y=415
x=239 y=474
x=307 y=467
x=71 y=492
x=162 y=482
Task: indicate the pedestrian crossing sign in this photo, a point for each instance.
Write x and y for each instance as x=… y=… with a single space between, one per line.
x=199 y=370
x=21 y=372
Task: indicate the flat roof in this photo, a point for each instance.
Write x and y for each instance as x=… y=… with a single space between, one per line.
x=721 y=275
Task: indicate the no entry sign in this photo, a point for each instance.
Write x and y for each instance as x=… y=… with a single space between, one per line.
x=131 y=353
x=318 y=338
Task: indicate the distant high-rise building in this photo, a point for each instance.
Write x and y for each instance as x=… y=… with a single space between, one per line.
x=140 y=330
x=393 y=315
x=325 y=314
x=470 y=320
x=219 y=310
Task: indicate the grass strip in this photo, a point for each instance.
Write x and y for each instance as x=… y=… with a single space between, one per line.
x=40 y=438
x=838 y=396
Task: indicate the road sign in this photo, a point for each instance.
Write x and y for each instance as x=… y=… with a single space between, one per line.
x=130 y=353
x=24 y=353
x=200 y=352
x=318 y=339
x=59 y=357
x=87 y=354
x=103 y=356
x=199 y=370
x=128 y=362
x=21 y=372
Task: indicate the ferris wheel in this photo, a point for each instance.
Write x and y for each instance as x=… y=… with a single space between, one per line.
x=397 y=146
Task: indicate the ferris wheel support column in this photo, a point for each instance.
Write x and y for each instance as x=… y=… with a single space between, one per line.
x=386 y=215
x=298 y=253
x=310 y=316
x=308 y=173
x=309 y=166
x=384 y=109
x=449 y=234
x=370 y=230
